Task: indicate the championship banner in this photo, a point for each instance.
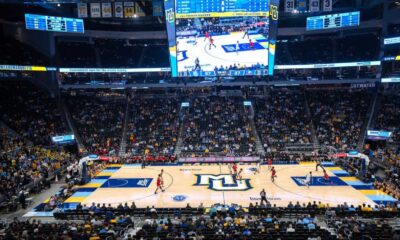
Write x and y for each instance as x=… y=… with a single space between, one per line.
x=289 y=5
x=118 y=10
x=301 y=5
x=95 y=10
x=82 y=10
x=157 y=8
x=314 y=5
x=128 y=9
x=138 y=10
x=106 y=10
x=327 y=5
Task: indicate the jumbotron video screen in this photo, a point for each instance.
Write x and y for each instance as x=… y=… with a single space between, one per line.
x=221 y=37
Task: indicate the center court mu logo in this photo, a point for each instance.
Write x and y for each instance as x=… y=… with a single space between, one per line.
x=222 y=182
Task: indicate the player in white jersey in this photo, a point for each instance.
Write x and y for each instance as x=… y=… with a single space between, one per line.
x=258 y=167
x=195 y=39
x=237 y=48
x=308 y=179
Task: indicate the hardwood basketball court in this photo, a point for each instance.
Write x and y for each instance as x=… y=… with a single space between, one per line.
x=210 y=184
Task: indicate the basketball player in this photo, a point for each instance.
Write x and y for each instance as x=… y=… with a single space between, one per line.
x=251 y=44
x=239 y=175
x=258 y=167
x=269 y=163
x=273 y=174
x=230 y=168
x=319 y=165
x=212 y=43
x=197 y=64
x=326 y=177
x=195 y=39
x=237 y=48
x=207 y=35
x=143 y=162
x=308 y=179
x=162 y=177
x=246 y=32
x=159 y=184
x=234 y=168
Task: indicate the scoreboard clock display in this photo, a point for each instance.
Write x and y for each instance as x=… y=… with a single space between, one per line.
x=333 y=21
x=54 y=24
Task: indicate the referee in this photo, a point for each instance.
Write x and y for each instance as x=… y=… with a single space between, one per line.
x=263 y=197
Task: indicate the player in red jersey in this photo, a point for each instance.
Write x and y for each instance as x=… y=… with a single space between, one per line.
x=273 y=174
x=212 y=43
x=207 y=35
x=162 y=177
x=251 y=43
x=159 y=184
x=234 y=168
x=269 y=163
x=326 y=177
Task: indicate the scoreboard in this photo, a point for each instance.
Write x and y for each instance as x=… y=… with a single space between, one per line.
x=55 y=24
x=206 y=6
x=333 y=21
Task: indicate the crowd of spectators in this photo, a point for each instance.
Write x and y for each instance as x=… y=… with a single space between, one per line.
x=217 y=125
x=310 y=221
x=353 y=228
x=25 y=168
x=388 y=116
x=280 y=119
x=339 y=116
x=153 y=127
x=31 y=112
x=388 y=158
x=98 y=117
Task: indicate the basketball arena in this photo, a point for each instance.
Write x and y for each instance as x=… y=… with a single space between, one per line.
x=200 y=119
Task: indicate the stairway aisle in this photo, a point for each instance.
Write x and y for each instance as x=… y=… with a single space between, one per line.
x=259 y=146
x=71 y=126
x=182 y=117
x=122 y=146
x=369 y=119
x=311 y=122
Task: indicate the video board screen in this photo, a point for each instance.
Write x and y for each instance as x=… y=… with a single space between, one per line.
x=333 y=21
x=55 y=24
x=221 y=37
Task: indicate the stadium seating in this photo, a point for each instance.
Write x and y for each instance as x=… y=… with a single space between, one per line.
x=389 y=115
x=26 y=168
x=221 y=222
x=217 y=124
x=31 y=112
x=98 y=117
x=339 y=116
x=153 y=127
x=281 y=119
